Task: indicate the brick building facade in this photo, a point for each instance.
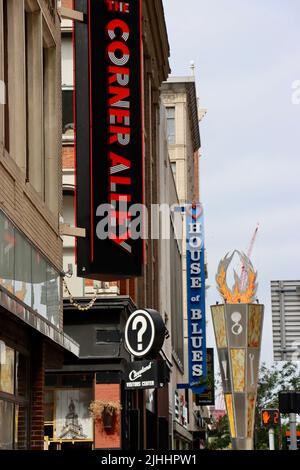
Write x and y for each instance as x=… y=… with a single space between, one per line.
x=103 y=358
x=31 y=320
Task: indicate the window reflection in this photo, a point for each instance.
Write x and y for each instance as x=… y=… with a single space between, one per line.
x=13 y=413
x=25 y=273
x=6 y=425
x=7 y=253
x=39 y=280
x=7 y=368
x=53 y=295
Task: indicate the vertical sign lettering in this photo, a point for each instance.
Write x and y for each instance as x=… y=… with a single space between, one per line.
x=112 y=160
x=196 y=297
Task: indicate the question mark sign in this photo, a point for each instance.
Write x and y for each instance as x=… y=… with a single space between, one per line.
x=140 y=320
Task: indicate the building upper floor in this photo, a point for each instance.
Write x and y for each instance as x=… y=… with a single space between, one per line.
x=30 y=154
x=179 y=96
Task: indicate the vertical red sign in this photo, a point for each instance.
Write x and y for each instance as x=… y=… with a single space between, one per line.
x=109 y=138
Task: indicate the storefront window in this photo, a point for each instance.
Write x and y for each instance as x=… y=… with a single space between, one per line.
x=13 y=398
x=53 y=295
x=7 y=368
x=25 y=273
x=66 y=408
x=6 y=425
x=39 y=280
x=7 y=253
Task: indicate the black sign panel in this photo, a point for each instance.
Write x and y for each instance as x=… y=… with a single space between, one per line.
x=289 y=402
x=208 y=396
x=109 y=139
x=146 y=374
x=145 y=333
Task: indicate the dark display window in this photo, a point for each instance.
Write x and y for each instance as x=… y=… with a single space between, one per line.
x=67 y=112
x=14 y=398
x=66 y=410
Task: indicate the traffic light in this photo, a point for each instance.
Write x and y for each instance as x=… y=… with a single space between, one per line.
x=270 y=418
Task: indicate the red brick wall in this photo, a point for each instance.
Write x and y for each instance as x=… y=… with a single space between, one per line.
x=128 y=287
x=68 y=157
x=67 y=3
x=38 y=390
x=105 y=439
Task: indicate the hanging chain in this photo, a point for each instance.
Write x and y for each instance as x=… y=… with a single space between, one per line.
x=75 y=303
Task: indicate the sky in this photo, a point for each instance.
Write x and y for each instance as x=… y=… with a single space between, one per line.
x=247 y=60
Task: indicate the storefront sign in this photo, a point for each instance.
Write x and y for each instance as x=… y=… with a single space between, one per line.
x=109 y=139
x=146 y=375
x=196 y=297
x=145 y=333
x=207 y=397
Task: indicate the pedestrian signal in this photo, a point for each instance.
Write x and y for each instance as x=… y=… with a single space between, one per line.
x=270 y=418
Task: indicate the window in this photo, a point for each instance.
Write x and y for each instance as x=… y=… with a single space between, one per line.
x=6 y=425
x=67 y=86
x=171 y=125
x=30 y=75
x=14 y=398
x=5 y=88
x=7 y=369
x=50 y=150
x=23 y=275
x=26 y=274
x=67 y=111
x=7 y=253
x=35 y=165
x=66 y=408
x=173 y=166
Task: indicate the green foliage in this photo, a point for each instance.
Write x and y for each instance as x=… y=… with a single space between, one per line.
x=219 y=437
x=279 y=377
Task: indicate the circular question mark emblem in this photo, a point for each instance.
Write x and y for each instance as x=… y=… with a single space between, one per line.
x=140 y=324
x=139 y=333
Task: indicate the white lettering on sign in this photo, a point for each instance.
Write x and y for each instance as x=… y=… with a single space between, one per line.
x=194 y=246
x=137 y=374
x=148 y=383
x=195 y=282
x=196 y=314
x=197 y=370
x=197 y=356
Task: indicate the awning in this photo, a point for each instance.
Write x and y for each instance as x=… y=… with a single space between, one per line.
x=183 y=433
x=36 y=321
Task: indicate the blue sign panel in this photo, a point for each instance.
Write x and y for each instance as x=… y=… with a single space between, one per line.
x=196 y=297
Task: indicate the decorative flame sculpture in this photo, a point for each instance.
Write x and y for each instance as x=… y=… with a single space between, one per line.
x=236 y=294
x=238 y=332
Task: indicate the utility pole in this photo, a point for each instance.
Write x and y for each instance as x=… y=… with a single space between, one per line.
x=293 y=431
x=271 y=439
x=271 y=419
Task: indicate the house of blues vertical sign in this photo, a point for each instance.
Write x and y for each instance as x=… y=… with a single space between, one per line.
x=196 y=297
